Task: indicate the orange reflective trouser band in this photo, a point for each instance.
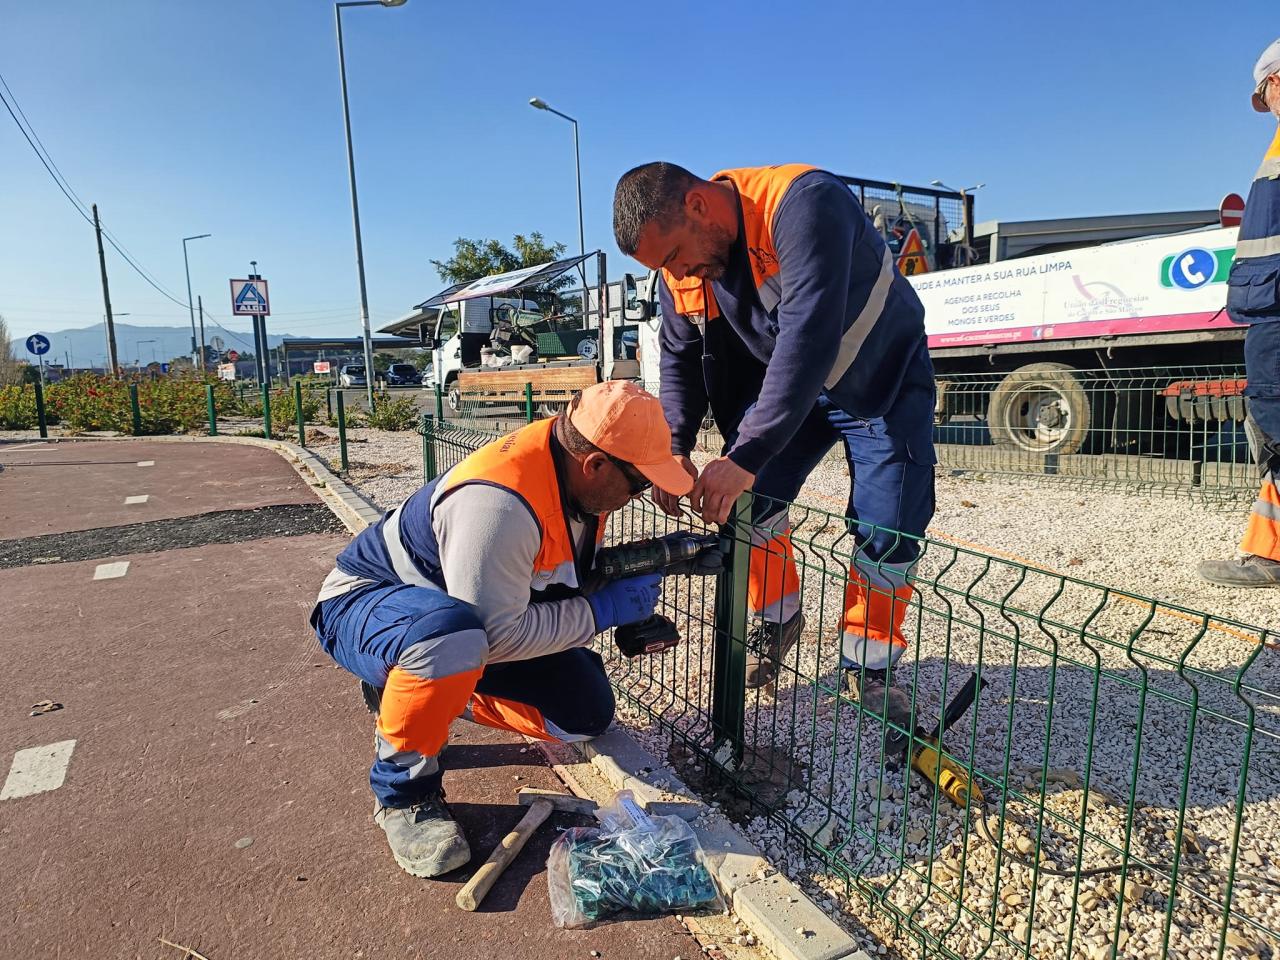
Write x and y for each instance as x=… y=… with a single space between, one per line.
x=415 y=714
x=773 y=586
x=1262 y=534
x=429 y=656
x=876 y=598
x=876 y=595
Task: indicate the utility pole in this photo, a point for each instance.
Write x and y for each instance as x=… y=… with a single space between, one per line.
x=203 y=354
x=106 y=298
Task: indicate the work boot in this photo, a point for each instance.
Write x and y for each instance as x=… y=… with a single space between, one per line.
x=1246 y=571
x=881 y=697
x=425 y=839
x=767 y=644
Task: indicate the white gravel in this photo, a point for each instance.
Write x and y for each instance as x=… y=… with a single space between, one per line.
x=385 y=466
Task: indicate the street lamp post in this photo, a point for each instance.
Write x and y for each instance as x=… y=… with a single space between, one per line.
x=137 y=349
x=190 y=306
x=351 y=173
x=539 y=104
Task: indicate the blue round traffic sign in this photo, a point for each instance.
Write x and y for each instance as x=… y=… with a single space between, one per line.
x=38 y=344
x=1192 y=268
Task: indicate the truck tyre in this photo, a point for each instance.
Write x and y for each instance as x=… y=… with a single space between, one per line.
x=453 y=396
x=1040 y=408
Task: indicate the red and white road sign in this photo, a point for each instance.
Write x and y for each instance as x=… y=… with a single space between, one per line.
x=1231 y=210
x=233 y=356
x=320 y=366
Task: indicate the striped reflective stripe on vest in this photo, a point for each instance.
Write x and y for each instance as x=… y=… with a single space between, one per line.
x=858 y=332
x=401 y=562
x=1262 y=247
x=1269 y=170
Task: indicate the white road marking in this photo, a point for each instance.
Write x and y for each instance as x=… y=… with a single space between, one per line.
x=146 y=463
x=38 y=770
x=141 y=498
x=109 y=571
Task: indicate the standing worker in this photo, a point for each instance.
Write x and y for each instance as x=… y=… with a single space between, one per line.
x=469 y=600
x=1253 y=297
x=783 y=311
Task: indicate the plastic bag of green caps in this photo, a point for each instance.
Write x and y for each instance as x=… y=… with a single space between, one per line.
x=633 y=862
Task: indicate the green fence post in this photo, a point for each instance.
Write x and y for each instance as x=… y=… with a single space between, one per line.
x=297 y=408
x=439 y=405
x=266 y=411
x=213 y=409
x=328 y=404
x=729 y=657
x=426 y=427
x=528 y=402
x=137 y=410
x=342 y=432
x=40 y=417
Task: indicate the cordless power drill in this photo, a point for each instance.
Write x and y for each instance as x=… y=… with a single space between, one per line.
x=681 y=552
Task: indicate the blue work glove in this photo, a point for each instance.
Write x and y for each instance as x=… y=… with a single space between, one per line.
x=625 y=601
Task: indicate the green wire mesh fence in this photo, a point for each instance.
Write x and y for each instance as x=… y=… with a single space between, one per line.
x=1122 y=751
x=1165 y=429
x=1174 y=430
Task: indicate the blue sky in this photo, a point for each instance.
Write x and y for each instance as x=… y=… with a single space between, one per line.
x=224 y=117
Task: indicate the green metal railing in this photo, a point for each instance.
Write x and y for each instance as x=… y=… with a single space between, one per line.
x=1126 y=750
x=1165 y=429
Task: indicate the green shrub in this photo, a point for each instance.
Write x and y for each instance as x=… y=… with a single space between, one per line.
x=91 y=402
x=18 y=408
x=400 y=413
x=354 y=418
x=166 y=404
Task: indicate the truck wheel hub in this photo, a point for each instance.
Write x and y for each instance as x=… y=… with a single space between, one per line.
x=1051 y=415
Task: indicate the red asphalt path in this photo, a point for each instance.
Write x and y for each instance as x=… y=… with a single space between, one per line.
x=216 y=794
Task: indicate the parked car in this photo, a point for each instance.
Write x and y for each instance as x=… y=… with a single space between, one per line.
x=402 y=375
x=352 y=375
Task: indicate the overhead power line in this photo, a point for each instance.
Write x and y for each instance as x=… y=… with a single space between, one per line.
x=46 y=160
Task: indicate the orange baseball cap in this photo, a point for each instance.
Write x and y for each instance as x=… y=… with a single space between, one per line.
x=627 y=422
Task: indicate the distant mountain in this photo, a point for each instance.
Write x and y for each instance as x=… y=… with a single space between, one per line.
x=87 y=346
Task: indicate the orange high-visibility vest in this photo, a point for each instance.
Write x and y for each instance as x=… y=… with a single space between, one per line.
x=522 y=463
x=760 y=193
x=402 y=546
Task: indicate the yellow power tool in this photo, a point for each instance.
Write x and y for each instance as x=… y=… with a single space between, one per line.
x=929 y=761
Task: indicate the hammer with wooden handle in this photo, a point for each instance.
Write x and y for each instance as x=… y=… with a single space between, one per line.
x=562 y=802
x=474 y=890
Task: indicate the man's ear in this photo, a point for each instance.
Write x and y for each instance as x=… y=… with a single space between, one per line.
x=695 y=204
x=593 y=463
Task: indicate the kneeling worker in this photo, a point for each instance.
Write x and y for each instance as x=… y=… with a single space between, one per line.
x=468 y=600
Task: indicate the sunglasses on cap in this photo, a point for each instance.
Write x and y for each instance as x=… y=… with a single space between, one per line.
x=638 y=482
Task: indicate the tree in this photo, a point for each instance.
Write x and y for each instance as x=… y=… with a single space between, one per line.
x=9 y=372
x=473 y=259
